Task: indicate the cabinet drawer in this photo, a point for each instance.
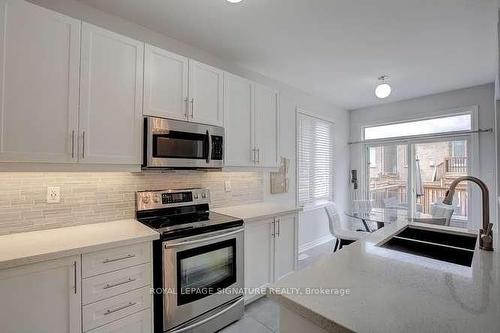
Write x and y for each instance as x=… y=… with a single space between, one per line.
x=118 y=282
x=137 y=323
x=114 y=259
x=111 y=309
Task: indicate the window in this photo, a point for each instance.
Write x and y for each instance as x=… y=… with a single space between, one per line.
x=420 y=127
x=315 y=159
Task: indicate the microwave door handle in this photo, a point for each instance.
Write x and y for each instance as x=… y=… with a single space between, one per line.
x=209 y=146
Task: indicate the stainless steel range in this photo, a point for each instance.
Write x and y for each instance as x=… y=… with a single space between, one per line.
x=197 y=263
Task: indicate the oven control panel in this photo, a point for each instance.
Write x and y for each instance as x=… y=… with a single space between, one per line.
x=171 y=198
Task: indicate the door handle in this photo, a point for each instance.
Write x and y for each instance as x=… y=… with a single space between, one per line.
x=73 y=144
x=129 y=280
x=74 y=272
x=279 y=222
x=273 y=233
x=83 y=144
x=209 y=148
x=186 y=102
x=128 y=256
x=192 y=108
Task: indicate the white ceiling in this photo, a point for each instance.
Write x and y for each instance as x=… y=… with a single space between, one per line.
x=336 y=48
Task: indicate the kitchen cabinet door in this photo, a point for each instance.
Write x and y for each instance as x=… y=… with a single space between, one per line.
x=258 y=256
x=285 y=246
x=43 y=297
x=165 y=84
x=39 y=76
x=266 y=126
x=111 y=97
x=205 y=94
x=238 y=120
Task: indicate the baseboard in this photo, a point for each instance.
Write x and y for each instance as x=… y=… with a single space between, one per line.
x=314 y=243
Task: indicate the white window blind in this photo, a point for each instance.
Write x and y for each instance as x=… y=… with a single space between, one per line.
x=315 y=159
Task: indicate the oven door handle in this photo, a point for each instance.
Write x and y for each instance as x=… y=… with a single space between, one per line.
x=201 y=322
x=201 y=240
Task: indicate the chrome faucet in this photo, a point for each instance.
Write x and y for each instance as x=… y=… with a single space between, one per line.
x=486 y=233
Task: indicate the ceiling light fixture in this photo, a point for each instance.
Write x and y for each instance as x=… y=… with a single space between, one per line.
x=233 y=1
x=383 y=89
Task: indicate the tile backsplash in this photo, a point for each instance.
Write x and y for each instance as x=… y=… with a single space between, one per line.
x=101 y=197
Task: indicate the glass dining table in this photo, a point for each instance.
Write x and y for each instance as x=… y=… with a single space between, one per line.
x=382 y=216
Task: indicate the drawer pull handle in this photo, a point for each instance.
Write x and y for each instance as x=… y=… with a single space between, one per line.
x=128 y=256
x=107 y=286
x=110 y=311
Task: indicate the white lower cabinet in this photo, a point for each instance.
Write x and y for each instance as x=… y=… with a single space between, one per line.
x=270 y=252
x=43 y=297
x=116 y=289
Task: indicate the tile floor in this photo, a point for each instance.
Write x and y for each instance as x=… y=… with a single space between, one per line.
x=262 y=316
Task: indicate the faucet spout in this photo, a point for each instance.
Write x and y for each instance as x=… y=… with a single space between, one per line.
x=486 y=233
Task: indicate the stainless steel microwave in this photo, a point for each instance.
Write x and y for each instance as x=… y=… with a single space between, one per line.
x=175 y=144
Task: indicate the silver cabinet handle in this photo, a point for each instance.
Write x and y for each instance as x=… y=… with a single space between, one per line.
x=129 y=280
x=273 y=233
x=128 y=256
x=110 y=311
x=258 y=155
x=75 y=277
x=207 y=239
x=279 y=222
x=186 y=101
x=192 y=108
x=73 y=144
x=253 y=155
x=83 y=144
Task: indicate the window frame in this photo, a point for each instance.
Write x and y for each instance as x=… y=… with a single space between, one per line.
x=313 y=204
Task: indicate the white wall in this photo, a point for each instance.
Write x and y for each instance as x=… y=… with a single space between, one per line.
x=290 y=99
x=435 y=105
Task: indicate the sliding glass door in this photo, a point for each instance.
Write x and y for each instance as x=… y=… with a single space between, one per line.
x=415 y=176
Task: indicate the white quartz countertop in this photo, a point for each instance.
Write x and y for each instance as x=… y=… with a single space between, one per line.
x=390 y=291
x=251 y=212
x=29 y=247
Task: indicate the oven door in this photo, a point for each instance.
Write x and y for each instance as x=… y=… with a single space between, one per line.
x=181 y=144
x=195 y=271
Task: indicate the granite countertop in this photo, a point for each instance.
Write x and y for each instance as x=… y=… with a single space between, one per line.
x=390 y=291
x=257 y=211
x=30 y=247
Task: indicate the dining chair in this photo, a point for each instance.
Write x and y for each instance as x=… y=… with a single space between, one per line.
x=440 y=210
x=342 y=235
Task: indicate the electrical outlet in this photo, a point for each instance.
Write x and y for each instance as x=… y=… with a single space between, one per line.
x=227 y=186
x=53 y=194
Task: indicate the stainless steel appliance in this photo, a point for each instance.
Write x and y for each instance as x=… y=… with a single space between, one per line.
x=181 y=144
x=197 y=263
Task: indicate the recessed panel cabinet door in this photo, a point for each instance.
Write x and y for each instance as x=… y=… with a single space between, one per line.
x=205 y=94
x=165 y=84
x=111 y=97
x=285 y=246
x=238 y=121
x=43 y=297
x=266 y=126
x=39 y=78
x=258 y=256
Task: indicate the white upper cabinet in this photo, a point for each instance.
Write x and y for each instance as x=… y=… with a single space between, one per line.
x=165 y=84
x=39 y=73
x=41 y=297
x=266 y=126
x=251 y=123
x=238 y=106
x=205 y=94
x=111 y=97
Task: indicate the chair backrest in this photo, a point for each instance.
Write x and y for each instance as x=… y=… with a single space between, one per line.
x=439 y=210
x=334 y=220
x=362 y=206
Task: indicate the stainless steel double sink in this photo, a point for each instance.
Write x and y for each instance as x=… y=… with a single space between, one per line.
x=440 y=245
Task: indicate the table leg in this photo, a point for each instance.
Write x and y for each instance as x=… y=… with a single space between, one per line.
x=366 y=225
